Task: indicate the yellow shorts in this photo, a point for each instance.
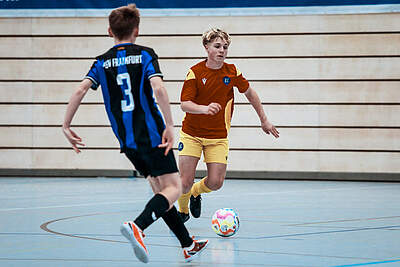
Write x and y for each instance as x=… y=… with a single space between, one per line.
x=214 y=150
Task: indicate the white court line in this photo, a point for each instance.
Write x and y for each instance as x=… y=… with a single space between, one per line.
x=306 y=191
x=74 y=205
x=216 y=196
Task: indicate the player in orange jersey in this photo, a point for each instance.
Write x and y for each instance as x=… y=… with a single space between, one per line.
x=207 y=99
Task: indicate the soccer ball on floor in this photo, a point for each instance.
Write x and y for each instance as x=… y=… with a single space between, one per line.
x=225 y=222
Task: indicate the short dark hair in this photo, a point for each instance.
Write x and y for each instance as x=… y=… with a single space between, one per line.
x=124 y=20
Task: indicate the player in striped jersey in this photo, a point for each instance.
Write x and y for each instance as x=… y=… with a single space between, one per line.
x=128 y=74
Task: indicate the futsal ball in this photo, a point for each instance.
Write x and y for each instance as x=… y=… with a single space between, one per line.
x=225 y=222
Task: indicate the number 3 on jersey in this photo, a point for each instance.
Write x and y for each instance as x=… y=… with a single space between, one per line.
x=124 y=81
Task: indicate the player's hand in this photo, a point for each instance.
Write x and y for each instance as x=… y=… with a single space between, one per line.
x=213 y=108
x=269 y=128
x=73 y=138
x=167 y=140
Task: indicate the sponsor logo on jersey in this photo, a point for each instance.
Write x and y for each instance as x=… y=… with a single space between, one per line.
x=226 y=80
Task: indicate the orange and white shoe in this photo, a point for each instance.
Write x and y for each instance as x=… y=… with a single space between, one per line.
x=135 y=236
x=192 y=252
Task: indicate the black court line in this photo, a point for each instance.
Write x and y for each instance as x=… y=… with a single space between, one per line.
x=45 y=227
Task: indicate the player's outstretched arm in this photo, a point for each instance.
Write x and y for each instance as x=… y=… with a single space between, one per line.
x=72 y=107
x=163 y=102
x=254 y=100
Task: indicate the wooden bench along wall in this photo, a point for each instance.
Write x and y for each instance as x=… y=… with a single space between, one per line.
x=330 y=83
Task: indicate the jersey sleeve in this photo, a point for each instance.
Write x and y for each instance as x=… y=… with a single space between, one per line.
x=93 y=75
x=189 y=88
x=150 y=64
x=241 y=82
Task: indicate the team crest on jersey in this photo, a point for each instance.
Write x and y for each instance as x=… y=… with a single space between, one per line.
x=180 y=146
x=226 y=80
x=204 y=80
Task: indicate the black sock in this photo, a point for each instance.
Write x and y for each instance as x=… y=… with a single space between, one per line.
x=176 y=225
x=154 y=209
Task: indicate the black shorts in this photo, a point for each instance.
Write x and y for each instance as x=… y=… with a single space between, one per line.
x=154 y=162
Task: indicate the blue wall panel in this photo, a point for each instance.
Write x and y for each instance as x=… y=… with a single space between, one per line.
x=71 y=4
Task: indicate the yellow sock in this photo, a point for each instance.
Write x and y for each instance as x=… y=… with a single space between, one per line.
x=183 y=202
x=200 y=188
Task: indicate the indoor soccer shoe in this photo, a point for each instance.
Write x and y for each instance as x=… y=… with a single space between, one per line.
x=135 y=236
x=195 y=206
x=197 y=247
x=184 y=216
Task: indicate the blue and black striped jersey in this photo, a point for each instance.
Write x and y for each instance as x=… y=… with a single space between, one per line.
x=124 y=73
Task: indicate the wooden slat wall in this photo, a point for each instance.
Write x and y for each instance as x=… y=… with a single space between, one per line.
x=331 y=83
x=261 y=69
x=190 y=46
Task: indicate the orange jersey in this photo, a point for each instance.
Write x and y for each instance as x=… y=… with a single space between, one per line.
x=204 y=86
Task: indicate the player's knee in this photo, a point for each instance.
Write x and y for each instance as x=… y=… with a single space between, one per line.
x=186 y=182
x=186 y=186
x=215 y=184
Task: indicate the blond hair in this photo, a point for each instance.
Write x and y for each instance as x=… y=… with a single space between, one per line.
x=213 y=34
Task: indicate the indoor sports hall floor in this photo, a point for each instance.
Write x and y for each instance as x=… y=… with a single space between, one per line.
x=75 y=222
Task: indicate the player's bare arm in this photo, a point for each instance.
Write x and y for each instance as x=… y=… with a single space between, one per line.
x=163 y=102
x=191 y=107
x=72 y=107
x=254 y=100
